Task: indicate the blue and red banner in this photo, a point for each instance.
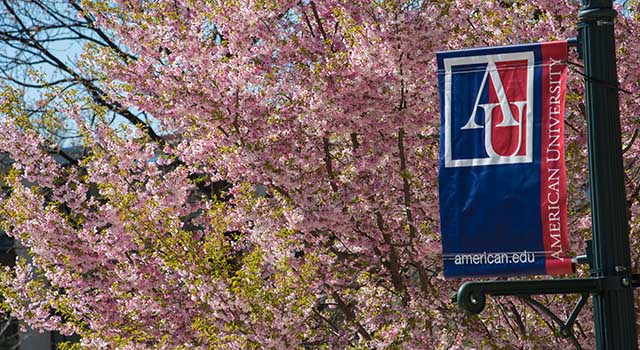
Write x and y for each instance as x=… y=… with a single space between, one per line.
x=503 y=200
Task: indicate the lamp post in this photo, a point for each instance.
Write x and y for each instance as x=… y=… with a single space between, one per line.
x=613 y=310
x=611 y=280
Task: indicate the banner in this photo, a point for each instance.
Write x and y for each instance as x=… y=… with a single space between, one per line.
x=502 y=182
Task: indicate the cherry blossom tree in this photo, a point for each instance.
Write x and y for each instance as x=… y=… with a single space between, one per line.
x=322 y=116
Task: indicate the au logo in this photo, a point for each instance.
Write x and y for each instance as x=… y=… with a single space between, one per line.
x=488 y=103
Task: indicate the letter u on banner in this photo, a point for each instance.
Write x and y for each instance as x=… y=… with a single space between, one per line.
x=502 y=178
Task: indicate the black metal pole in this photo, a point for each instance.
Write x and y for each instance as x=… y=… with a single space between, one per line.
x=614 y=314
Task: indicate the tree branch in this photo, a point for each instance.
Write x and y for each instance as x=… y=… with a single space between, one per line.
x=318 y=20
x=328 y=165
x=350 y=315
x=393 y=265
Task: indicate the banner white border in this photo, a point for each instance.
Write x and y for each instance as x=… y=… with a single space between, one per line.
x=457 y=61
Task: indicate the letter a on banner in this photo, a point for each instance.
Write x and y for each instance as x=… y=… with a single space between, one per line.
x=503 y=196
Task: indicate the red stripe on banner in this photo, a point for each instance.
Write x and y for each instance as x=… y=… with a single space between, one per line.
x=553 y=188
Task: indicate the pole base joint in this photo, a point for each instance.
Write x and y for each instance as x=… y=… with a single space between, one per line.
x=599 y=16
